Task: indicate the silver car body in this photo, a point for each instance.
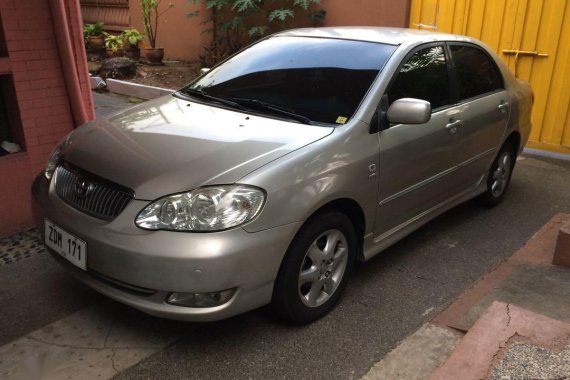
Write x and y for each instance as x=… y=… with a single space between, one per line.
x=389 y=182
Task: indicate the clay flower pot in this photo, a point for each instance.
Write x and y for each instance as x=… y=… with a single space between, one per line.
x=154 y=55
x=117 y=53
x=96 y=42
x=133 y=53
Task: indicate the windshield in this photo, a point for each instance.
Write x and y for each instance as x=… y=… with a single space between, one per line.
x=305 y=79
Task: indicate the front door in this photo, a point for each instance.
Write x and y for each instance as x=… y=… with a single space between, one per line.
x=417 y=162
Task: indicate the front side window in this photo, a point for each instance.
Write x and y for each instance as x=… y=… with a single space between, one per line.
x=477 y=74
x=423 y=76
x=321 y=79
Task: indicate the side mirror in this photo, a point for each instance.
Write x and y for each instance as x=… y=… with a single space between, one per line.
x=409 y=111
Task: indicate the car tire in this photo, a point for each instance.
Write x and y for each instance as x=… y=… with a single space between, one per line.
x=315 y=269
x=499 y=176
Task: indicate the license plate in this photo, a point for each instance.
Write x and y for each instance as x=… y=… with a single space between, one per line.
x=67 y=245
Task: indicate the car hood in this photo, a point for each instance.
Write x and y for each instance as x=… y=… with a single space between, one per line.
x=169 y=145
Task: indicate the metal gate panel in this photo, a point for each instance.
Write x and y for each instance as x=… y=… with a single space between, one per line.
x=532 y=37
x=556 y=128
x=528 y=38
x=474 y=16
x=459 y=22
x=445 y=15
x=542 y=72
x=492 y=31
x=425 y=14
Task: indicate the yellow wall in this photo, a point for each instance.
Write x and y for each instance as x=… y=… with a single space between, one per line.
x=541 y=26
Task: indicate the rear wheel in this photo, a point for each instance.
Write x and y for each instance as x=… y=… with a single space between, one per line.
x=315 y=269
x=499 y=176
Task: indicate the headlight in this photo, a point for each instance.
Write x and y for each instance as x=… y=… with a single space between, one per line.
x=55 y=157
x=206 y=209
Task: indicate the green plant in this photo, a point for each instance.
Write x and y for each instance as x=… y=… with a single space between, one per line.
x=233 y=23
x=151 y=13
x=113 y=42
x=91 y=30
x=132 y=37
x=214 y=53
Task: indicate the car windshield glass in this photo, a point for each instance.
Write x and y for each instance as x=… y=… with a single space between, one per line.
x=319 y=80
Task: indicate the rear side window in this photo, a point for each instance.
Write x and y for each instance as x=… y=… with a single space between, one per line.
x=477 y=73
x=423 y=76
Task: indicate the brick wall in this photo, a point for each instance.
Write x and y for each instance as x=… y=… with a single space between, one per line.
x=40 y=99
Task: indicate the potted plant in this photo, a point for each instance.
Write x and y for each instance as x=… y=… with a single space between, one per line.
x=151 y=13
x=132 y=38
x=114 y=45
x=94 y=35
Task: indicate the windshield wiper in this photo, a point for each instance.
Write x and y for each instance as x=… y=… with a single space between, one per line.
x=272 y=107
x=202 y=95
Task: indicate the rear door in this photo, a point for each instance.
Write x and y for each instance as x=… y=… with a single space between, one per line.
x=485 y=108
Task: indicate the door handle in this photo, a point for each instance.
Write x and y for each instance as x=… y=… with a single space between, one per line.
x=453 y=125
x=503 y=107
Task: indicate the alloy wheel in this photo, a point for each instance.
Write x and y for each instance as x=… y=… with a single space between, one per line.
x=501 y=174
x=323 y=268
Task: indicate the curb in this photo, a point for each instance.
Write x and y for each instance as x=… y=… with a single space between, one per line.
x=129 y=88
x=545 y=153
x=417 y=356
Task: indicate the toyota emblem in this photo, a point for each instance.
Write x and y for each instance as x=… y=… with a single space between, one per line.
x=83 y=188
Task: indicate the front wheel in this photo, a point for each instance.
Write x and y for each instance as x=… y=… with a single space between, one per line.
x=499 y=176
x=315 y=268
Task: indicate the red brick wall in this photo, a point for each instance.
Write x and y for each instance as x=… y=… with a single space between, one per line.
x=76 y=24
x=42 y=99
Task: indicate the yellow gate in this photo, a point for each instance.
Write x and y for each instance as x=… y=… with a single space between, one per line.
x=532 y=37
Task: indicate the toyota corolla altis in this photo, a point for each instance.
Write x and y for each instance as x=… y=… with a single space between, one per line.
x=265 y=179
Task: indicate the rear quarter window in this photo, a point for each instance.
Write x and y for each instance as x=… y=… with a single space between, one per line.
x=477 y=73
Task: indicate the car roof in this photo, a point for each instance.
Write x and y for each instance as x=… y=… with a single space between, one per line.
x=392 y=36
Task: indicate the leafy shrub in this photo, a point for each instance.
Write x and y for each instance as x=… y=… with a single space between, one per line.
x=234 y=23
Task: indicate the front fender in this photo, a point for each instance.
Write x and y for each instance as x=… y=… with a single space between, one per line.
x=336 y=167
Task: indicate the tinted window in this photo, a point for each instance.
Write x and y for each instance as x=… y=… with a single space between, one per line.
x=476 y=73
x=320 y=78
x=423 y=76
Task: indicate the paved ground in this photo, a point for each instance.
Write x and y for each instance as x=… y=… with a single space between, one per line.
x=388 y=299
x=522 y=306
x=107 y=103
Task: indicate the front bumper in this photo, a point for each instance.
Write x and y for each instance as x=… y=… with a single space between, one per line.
x=140 y=268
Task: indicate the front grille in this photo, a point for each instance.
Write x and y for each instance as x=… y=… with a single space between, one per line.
x=90 y=194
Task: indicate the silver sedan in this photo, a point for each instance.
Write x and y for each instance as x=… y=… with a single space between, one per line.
x=266 y=178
